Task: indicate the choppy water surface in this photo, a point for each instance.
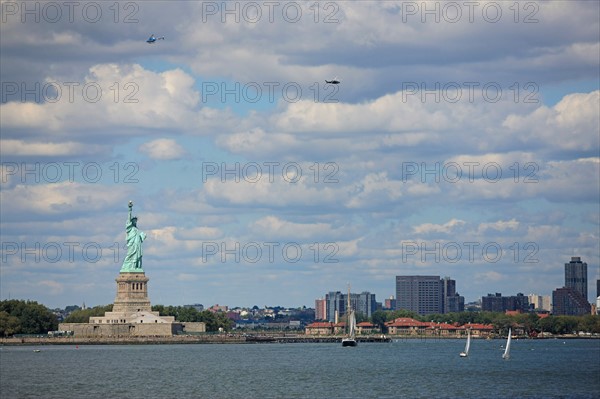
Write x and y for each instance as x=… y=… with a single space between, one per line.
x=401 y=369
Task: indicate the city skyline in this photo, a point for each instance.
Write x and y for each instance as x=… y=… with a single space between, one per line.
x=460 y=140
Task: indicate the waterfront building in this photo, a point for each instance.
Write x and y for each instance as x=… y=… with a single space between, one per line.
x=576 y=276
x=319 y=328
x=409 y=326
x=478 y=330
x=365 y=327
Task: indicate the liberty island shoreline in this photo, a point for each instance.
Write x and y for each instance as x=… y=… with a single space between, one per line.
x=245 y=339
x=193 y=339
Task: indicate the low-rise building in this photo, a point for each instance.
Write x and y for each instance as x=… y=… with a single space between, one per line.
x=478 y=330
x=319 y=328
x=364 y=328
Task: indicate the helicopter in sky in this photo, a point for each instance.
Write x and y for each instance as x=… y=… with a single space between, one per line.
x=153 y=39
x=333 y=81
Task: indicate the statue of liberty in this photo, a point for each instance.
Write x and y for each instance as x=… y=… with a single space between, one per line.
x=133 y=259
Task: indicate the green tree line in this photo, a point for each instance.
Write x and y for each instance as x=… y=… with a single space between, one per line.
x=531 y=322
x=83 y=315
x=25 y=317
x=213 y=321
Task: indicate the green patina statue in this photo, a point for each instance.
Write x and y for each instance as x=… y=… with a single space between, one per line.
x=133 y=259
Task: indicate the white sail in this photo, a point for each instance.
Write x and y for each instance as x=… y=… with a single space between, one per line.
x=467 y=345
x=351 y=324
x=506 y=354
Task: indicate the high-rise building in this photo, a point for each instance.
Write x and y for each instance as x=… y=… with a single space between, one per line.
x=568 y=301
x=320 y=309
x=598 y=288
x=336 y=303
x=428 y=294
x=390 y=303
x=366 y=303
x=454 y=304
x=451 y=300
x=539 y=302
x=499 y=303
x=420 y=294
x=449 y=286
x=576 y=276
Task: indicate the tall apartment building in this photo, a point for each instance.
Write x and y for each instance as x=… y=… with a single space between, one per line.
x=576 y=276
x=365 y=303
x=390 y=303
x=336 y=303
x=572 y=299
x=420 y=294
x=567 y=301
x=428 y=294
x=539 y=302
x=499 y=303
x=320 y=309
x=451 y=300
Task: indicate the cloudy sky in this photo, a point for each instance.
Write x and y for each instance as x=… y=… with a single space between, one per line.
x=462 y=141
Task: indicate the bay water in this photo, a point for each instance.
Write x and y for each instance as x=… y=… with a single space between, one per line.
x=405 y=368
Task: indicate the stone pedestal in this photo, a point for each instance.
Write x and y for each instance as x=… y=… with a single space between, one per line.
x=132 y=293
x=132 y=314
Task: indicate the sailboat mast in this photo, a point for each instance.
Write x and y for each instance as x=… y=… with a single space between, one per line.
x=348 y=308
x=348 y=311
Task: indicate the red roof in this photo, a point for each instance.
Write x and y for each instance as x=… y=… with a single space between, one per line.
x=320 y=324
x=445 y=326
x=365 y=324
x=477 y=326
x=406 y=322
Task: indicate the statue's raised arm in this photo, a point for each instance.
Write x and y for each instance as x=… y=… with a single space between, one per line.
x=130 y=208
x=135 y=238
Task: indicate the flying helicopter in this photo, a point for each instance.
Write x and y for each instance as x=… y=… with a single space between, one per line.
x=333 y=81
x=153 y=39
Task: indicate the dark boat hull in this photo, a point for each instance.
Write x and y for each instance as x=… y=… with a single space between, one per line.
x=349 y=342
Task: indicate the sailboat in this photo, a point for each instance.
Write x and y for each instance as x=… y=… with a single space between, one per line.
x=350 y=339
x=467 y=346
x=506 y=354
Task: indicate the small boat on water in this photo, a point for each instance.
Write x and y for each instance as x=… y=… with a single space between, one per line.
x=37 y=350
x=465 y=353
x=506 y=354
